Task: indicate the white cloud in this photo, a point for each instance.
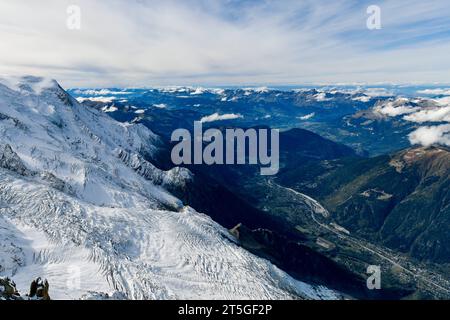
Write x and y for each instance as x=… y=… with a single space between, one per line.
x=396 y=108
x=96 y=99
x=428 y=136
x=198 y=91
x=218 y=117
x=37 y=84
x=149 y=42
x=435 y=92
x=428 y=111
x=444 y=101
x=308 y=116
x=321 y=97
x=100 y=92
x=378 y=92
x=109 y=109
x=362 y=98
x=256 y=90
x=440 y=114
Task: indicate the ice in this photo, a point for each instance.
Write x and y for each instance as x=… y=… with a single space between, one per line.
x=91 y=214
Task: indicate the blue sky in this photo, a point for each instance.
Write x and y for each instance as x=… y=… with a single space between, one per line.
x=228 y=42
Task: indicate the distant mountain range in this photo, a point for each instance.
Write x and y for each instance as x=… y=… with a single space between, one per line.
x=82 y=205
x=348 y=148
x=87 y=187
x=371 y=120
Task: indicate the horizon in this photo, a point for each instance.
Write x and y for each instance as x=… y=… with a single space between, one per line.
x=275 y=86
x=226 y=43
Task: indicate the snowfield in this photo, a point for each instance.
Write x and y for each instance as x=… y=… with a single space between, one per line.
x=81 y=206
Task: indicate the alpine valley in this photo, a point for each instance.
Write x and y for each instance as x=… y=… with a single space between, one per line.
x=80 y=197
x=90 y=200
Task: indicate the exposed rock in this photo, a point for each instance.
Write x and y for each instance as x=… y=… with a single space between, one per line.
x=63 y=95
x=39 y=290
x=8 y=289
x=176 y=177
x=16 y=122
x=56 y=183
x=11 y=161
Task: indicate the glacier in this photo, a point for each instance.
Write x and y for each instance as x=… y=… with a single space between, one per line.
x=82 y=205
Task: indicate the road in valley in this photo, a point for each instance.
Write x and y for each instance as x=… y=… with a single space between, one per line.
x=316 y=207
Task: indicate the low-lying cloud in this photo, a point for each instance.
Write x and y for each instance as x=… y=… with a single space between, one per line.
x=431 y=135
x=435 y=92
x=392 y=110
x=97 y=99
x=440 y=114
x=435 y=113
x=308 y=116
x=217 y=117
x=100 y=92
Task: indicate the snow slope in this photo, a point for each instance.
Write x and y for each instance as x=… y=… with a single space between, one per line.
x=80 y=206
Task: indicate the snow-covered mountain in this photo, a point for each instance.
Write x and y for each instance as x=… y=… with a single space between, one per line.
x=81 y=206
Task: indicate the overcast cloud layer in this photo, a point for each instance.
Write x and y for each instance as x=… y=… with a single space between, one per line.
x=194 y=42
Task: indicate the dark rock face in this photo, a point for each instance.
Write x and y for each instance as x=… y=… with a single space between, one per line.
x=39 y=290
x=11 y=161
x=63 y=95
x=16 y=122
x=8 y=290
x=55 y=182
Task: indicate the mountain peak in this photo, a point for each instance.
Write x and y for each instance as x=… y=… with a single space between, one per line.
x=433 y=160
x=30 y=84
x=93 y=201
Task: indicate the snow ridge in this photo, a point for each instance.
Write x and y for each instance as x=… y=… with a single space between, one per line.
x=81 y=206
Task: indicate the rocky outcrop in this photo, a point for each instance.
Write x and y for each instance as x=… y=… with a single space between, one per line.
x=174 y=178
x=8 y=290
x=56 y=183
x=11 y=161
x=16 y=122
x=39 y=290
